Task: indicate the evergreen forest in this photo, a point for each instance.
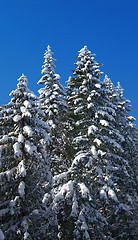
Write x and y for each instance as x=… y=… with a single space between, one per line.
x=68 y=158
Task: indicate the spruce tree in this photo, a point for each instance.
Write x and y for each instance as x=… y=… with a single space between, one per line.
x=53 y=104
x=126 y=174
x=24 y=172
x=75 y=197
x=98 y=145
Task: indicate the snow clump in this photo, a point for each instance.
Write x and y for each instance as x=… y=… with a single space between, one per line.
x=21 y=189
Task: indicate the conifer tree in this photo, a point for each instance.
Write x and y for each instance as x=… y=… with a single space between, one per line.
x=126 y=174
x=98 y=161
x=5 y=125
x=24 y=172
x=53 y=103
x=75 y=198
x=130 y=133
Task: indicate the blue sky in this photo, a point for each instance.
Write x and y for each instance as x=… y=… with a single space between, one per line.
x=108 y=28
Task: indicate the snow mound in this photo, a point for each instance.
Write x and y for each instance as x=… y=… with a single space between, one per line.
x=92 y=129
x=21 y=169
x=21 y=189
x=17 y=118
x=28 y=130
x=29 y=147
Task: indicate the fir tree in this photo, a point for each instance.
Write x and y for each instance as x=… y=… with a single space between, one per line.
x=75 y=198
x=92 y=154
x=125 y=176
x=24 y=172
x=99 y=159
x=53 y=103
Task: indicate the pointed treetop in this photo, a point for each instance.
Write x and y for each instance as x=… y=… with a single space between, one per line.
x=22 y=91
x=48 y=53
x=85 y=51
x=119 y=90
x=108 y=83
x=86 y=64
x=48 y=68
x=48 y=48
x=107 y=79
x=23 y=80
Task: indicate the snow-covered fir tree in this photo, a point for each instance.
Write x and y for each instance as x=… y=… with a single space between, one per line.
x=5 y=125
x=25 y=178
x=75 y=197
x=126 y=170
x=98 y=161
x=130 y=133
x=92 y=153
x=54 y=105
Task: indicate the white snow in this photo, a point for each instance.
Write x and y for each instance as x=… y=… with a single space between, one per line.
x=83 y=89
x=101 y=153
x=29 y=147
x=74 y=211
x=89 y=99
x=90 y=105
x=21 y=169
x=104 y=123
x=9 y=173
x=103 y=194
x=94 y=152
x=27 y=104
x=131 y=118
x=21 y=189
x=53 y=96
x=59 y=177
x=78 y=158
x=16 y=148
x=84 y=190
x=26 y=235
x=66 y=189
x=28 y=130
x=112 y=195
x=92 y=129
x=11 y=205
x=104 y=114
x=45 y=198
x=20 y=138
x=79 y=139
x=17 y=118
x=5 y=138
x=97 y=85
x=23 y=109
x=50 y=122
x=97 y=141
x=25 y=112
x=55 y=105
x=78 y=110
x=1 y=235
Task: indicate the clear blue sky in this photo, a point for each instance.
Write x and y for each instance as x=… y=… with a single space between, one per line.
x=108 y=28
